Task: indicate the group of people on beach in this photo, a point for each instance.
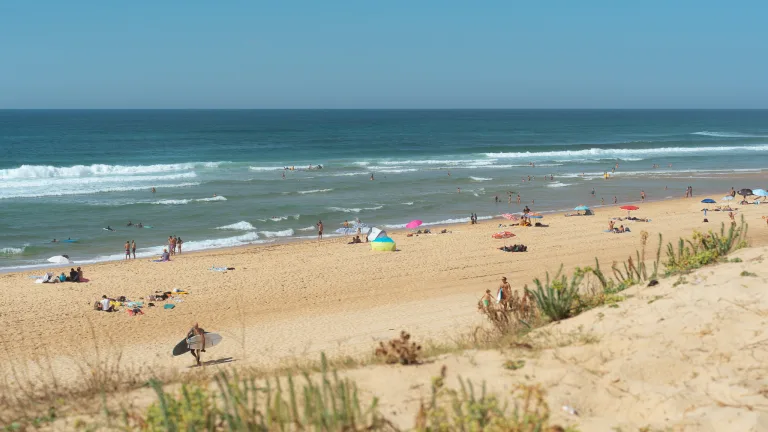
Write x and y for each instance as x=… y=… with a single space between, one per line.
x=507 y=300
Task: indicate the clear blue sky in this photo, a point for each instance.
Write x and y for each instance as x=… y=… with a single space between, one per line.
x=383 y=54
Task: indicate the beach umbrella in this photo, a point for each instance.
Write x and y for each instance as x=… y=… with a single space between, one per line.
x=708 y=201
x=581 y=208
x=510 y=217
x=745 y=192
x=60 y=259
x=414 y=224
x=629 y=208
x=535 y=216
x=726 y=198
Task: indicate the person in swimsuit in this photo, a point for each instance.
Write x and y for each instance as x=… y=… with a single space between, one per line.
x=486 y=299
x=642 y=196
x=506 y=291
x=127 y=249
x=133 y=248
x=319 y=230
x=196 y=330
x=179 y=242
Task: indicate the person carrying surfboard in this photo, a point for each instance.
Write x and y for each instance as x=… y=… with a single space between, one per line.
x=196 y=330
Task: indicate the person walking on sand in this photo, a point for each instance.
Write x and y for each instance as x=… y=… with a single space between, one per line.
x=133 y=248
x=179 y=242
x=642 y=195
x=319 y=230
x=196 y=330
x=485 y=300
x=127 y=249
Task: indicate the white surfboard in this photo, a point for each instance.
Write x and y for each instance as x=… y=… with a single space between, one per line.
x=211 y=339
x=498 y=297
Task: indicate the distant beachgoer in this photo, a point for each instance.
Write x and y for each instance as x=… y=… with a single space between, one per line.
x=371 y=176
x=551 y=177
x=593 y=191
x=214 y=195
x=133 y=248
x=179 y=242
x=459 y=190
x=170 y=241
x=127 y=249
x=196 y=331
x=509 y=199
x=529 y=178
x=602 y=201
x=610 y=225
x=615 y=200
x=732 y=192
x=526 y=210
x=129 y=223
x=283 y=175
x=319 y=230
x=54 y=241
x=346 y=227
x=109 y=228
x=666 y=187
x=642 y=195
x=449 y=173
x=154 y=190
x=518 y=199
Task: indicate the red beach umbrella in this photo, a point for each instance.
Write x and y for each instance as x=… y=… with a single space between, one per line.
x=629 y=208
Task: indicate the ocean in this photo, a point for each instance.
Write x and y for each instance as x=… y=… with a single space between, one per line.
x=219 y=174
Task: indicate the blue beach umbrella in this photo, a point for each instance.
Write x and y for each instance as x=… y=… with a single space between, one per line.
x=581 y=208
x=708 y=201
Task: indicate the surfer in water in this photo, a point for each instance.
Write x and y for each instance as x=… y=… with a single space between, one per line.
x=196 y=330
x=109 y=228
x=129 y=223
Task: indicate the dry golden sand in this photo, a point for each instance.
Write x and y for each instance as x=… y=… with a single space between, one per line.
x=298 y=299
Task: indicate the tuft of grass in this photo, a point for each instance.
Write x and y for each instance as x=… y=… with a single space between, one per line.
x=514 y=364
x=469 y=409
x=400 y=350
x=557 y=298
x=241 y=403
x=749 y=274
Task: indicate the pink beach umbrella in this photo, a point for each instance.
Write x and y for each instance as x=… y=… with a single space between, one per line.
x=510 y=217
x=414 y=224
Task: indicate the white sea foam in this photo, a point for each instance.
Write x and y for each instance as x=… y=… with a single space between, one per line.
x=273 y=234
x=605 y=153
x=314 y=191
x=728 y=134
x=309 y=228
x=410 y=203
x=396 y=170
x=256 y=168
x=442 y=222
x=48 y=171
x=187 y=201
x=480 y=179
x=11 y=250
x=6 y=193
x=354 y=210
x=241 y=226
x=558 y=185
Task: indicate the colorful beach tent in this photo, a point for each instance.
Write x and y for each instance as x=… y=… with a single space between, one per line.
x=376 y=233
x=385 y=244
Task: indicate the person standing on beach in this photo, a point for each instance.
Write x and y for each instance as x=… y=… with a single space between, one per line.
x=518 y=199
x=602 y=201
x=690 y=189
x=319 y=230
x=127 y=249
x=642 y=195
x=615 y=200
x=179 y=242
x=593 y=191
x=732 y=192
x=346 y=228
x=133 y=248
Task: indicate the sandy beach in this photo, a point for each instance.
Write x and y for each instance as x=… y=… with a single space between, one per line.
x=297 y=299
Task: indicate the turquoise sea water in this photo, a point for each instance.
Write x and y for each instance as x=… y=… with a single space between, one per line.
x=68 y=174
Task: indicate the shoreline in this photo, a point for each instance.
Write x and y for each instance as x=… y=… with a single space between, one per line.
x=332 y=236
